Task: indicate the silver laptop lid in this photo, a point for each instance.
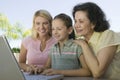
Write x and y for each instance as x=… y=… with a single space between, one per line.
x=8 y=70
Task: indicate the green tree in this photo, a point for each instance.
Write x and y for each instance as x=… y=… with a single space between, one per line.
x=4 y=23
x=12 y=32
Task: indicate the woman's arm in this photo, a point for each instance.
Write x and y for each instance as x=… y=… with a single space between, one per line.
x=46 y=66
x=99 y=63
x=22 y=58
x=31 y=69
x=48 y=63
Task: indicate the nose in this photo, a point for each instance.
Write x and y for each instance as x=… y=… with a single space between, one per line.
x=41 y=26
x=77 y=25
x=54 y=32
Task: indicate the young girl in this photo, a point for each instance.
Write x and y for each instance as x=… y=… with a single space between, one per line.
x=65 y=57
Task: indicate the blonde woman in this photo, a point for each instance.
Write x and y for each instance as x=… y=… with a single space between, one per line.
x=35 y=48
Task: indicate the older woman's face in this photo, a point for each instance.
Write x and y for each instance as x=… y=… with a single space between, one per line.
x=82 y=25
x=42 y=26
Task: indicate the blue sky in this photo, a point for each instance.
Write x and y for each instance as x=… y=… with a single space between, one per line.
x=23 y=10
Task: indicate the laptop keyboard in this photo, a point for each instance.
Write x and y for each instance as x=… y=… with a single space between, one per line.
x=42 y=77
x=35 y=77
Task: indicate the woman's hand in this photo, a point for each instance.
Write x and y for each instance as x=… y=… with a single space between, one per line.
x=34 y=69
x=80 y=42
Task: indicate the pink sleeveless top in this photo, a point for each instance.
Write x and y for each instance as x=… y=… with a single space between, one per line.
x=34 y=55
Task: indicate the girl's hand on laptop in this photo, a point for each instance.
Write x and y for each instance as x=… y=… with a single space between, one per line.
x=50 y=72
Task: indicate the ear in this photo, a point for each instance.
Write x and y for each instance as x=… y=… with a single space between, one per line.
x=70 y=30
x=92 y=26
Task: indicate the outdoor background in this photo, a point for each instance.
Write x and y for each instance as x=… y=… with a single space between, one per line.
x=18 y=14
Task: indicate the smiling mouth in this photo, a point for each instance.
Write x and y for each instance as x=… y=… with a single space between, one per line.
x=78 y=31
x=42 y=31
x=56 y=36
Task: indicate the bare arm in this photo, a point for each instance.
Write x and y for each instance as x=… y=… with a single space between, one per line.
x=22 y=58
x=99 y=63
x=48 y=63
x=31 y=69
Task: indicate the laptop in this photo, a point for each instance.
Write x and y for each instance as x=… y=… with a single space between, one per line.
x=9 y=68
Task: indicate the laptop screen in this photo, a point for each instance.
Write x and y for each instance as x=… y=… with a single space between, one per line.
x=9 y=68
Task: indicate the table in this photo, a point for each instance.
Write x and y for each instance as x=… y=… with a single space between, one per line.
x=83 y=78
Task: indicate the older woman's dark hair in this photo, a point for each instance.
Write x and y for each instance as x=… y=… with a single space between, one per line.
x=94 y=14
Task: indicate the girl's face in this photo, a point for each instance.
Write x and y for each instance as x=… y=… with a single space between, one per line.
x=42 y=26
x=83 y=26
x=59 y=30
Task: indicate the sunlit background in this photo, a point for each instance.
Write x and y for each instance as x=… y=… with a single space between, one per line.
x=20 y=12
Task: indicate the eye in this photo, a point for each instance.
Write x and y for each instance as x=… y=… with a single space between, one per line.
x=81 y=21
x=59 y=29
x=75 y=21
x=53 y=29
x=45 y=23
x=37 y=23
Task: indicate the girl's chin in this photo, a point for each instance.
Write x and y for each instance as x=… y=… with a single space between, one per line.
x=57 y=39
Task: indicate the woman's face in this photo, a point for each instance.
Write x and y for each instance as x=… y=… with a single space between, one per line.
x=42 y=26
x=83 y=26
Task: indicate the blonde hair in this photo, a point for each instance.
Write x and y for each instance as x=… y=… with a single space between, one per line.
x=45 y=14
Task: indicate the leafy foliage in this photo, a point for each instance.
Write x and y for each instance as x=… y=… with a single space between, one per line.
x=16 y=50
x=12 y=32
x=15 y=31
